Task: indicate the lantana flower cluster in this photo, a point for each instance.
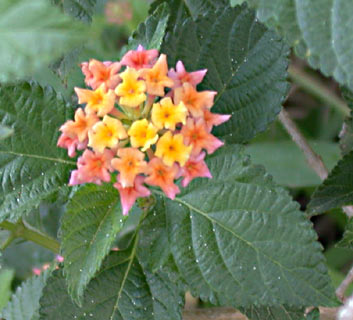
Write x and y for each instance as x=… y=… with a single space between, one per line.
x=142 y=125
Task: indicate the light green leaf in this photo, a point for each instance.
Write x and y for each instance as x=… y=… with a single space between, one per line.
x=80 y=9
x=246 y=65
x=122 y=290
x=89 y=226
x=150 y=33
x=32 y=167
x=34 y=33
x=24 y=304
x=6 y=277
x=320 y=30
x=274 y=313
x=240 y=240
x=284 y=161
x=337 y=190
x=5 y=132
x=347 y=240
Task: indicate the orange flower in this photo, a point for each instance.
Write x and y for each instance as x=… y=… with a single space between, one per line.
x=99 y=101
x=166 y=115
x=106 y=134
x=98 y=72
x=156 y=77
x=130 y=164
x=162 y=176
x=131 y=91
x=197 y=135
x=80 y=127
x=214 y=119
x=172 y=149
x=194 y=101
x=143 y=134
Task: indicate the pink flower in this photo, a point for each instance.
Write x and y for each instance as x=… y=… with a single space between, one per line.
x=195 y=167
x=37 y=271
x=59 y=258
x=129 y=195
x=71 y=144
x=214 y=119
x=92 y=168
x=140 y=58
x=180 y=76
x=98 y=72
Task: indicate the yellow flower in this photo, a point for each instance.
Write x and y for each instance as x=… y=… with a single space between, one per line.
x=106 y=134
x=143 y=134
x=172 y=149
x=100 y=101
x=166 y=115
x=131 y=91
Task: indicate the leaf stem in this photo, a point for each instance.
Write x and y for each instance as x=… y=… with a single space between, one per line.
x=313 y=86
x=344 y=285
x=19 y=230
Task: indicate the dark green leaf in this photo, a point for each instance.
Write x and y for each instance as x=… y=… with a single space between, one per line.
x=32 y=167
x=320 y=30
x=5 y=132
x=24 y=304
x=154 y=245
x=89 y=226
x=150 y=33
x=240 y=240
x=337 y=190
x=80 y=9
x=6 y=277
x=121 y=290
x=274 y=313
x=288 y=166
x=246 y=65
x=34 y=33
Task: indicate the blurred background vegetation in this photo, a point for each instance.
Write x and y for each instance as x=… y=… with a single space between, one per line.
x=319 y=120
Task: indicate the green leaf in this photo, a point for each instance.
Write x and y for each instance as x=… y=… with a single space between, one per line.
x=79 y=9
x=34 y=33
x=274 y=313
x=321 y=30
x=337 y=190
x=240 y=240
x=24 y=304
x=32 y=167
x=150 y=33
x=246 y=65
x=313 y=314
x=5 y=132
x=154 y=245
x=347 y=240
x=89 y=226
x=6 y=277
x=121 y=290
x=287 y=165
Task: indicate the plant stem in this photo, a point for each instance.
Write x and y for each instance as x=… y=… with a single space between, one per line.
x=314 y=160
x=19 y=230
x=232 y=314
x=313 y=86
x=344 y=285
